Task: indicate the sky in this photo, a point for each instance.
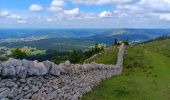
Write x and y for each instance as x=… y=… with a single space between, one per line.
x=84 y=13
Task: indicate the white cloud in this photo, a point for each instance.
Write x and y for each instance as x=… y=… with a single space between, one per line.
x=21 y=21
x=58 y=3
x=35 y=7
x=55 y=9
x=12 y=17
x=103 y=2
x=57 y=6
x=87 y=16
x=105 y=14
x=72 y=12
x=50 y=20
x=16 y=17
x=4 y=13
x=148 y=9
x=125 y=11
x=165 y=16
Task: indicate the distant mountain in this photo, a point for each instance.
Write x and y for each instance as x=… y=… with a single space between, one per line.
x=49 y=33
x=131 y=34
x=66 y=39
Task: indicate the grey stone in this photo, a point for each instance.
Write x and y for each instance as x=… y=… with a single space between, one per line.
x=55 y=87
x=35 y=88
x=26 y=88
x=9 y=83
x=23 y=80
x=14 y=92
x=52 y=95
x=4 y=92
x=22 y=68
x=4 y=99
x=37 y=69
x=8 y=68
x=55 y=70
x=0 y=68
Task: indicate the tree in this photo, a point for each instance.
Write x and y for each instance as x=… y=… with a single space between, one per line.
x=55 y=57
x=115 y=42
x=126 y=41
x=74 y=57
x=18 y=54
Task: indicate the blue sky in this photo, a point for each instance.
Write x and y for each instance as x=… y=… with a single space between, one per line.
x=84 y=13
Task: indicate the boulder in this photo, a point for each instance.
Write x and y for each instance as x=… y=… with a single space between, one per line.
x=55 y=70
x=48 y=64
x=8 y=68
x=37 y=69
x=22 y=68
x=65 y=67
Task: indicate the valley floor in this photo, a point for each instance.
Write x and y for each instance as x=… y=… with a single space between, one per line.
x=146 y=75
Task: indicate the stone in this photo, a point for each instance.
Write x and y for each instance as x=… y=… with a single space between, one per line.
x=52 y=95
x=4 y=99
x=22 y=68
x=67 y=63
x=8 y=68
x=9 y=83
x=48 y=64
x=23 y=80
x=26 y=88
x=55 y=87
x=0 y=68
x=55 y=70
x=14 y=92
x=65 y=67
x=37 y=69
x=4 y=92
x=35 y=88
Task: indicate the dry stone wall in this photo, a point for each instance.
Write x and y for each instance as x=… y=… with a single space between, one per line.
x=33 y=80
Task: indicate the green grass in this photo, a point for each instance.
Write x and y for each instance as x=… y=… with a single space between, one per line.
x=146 y=75
x=107 y=57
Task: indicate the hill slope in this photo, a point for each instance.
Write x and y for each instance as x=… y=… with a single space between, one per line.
x=145 y=76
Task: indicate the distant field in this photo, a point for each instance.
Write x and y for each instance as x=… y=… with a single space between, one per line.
x=146 y=75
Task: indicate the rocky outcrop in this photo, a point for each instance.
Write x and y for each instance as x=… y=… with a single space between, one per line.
x=33 y=80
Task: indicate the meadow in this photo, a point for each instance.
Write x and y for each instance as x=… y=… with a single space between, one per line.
x=145 y=75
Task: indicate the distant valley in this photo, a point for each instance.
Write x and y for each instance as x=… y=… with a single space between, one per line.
x=68 y=39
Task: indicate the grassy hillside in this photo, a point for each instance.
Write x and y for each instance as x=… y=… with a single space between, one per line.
x=146 y=75
x=108 y=56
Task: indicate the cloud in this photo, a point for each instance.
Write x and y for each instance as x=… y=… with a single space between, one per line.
x=21 y=21
x=58 y=3
x=165 y=16
x=57 y=6
x=13 y=17
x=87 y=15
x=105 y=14
x=132 y=12
x=55 y=9
x=103 y=2
x=35 y=7
x=16 y=17
x=4 y=13
x=72 y=12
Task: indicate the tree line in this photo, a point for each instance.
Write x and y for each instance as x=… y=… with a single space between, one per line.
x=74 y=56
